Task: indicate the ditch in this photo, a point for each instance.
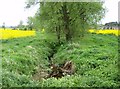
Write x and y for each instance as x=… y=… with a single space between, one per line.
x=42 y=73
x=57 y=71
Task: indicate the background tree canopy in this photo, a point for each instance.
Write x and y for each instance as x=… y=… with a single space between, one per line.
x=69 y=19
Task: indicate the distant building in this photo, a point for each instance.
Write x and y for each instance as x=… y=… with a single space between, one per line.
x=111 y=25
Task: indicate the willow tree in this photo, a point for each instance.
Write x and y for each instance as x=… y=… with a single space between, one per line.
x=70 y=18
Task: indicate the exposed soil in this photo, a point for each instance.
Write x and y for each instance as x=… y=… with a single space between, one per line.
x=40 y=74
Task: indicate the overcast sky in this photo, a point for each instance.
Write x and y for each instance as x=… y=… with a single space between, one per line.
x=12 y=11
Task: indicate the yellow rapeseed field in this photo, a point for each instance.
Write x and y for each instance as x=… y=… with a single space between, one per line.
x=9 y=33
x=106 y=31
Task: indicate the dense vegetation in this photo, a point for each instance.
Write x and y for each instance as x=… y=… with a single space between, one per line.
x=25 y=61
x=67 y=19
x=95 y=58
x=21 y=57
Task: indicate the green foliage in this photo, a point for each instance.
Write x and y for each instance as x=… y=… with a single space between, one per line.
x=22 y=57
x=72 y=18
x=30 y=22
x=84 y=16
x=16 y=80
x=95 y=58
x=78 y=81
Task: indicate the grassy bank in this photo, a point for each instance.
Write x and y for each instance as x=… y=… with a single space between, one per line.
x=22 y=57
x=95 y=57
x=96 y=60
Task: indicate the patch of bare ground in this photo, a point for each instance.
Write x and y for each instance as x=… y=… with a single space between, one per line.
x=40 y=74
x=67 y=68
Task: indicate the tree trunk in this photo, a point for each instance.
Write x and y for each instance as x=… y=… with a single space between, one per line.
x=58 y=33
x=66 y=22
